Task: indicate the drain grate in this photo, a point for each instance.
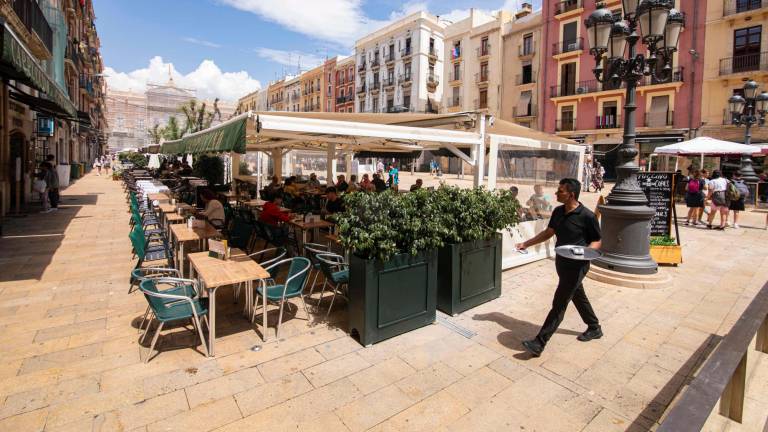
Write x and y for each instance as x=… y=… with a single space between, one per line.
x=444 y=321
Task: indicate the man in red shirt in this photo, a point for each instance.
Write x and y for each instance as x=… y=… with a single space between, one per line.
x=272 y=216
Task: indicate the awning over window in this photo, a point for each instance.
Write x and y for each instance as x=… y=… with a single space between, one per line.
x=522 y=104
x=226 y=137
x=17 y=63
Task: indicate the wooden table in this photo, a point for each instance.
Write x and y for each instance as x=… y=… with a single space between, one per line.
x=214 y=273
x=306 y=226
x=163 y=198
x=229 y=195
x=169 y=215
x=182 y=235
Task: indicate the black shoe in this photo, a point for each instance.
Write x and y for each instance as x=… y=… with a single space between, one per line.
x=590 y=334
x=533 y=347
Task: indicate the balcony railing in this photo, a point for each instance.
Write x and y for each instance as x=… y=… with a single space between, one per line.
x=565 y=125
x=405 y=79
x=361 y=88
x=526 y=50
x=608 y=122
x=659 y=119
x=525 y=79
x=732 y=7
x=345 y=99
x=361 y=67
x=592 y=86
x=744 y=63
x=398 y=109
x=575 y=88
x=530 y=111
x=454 y=102
x=567 y=46
x=481 y=103
x=432 y=53
x=484 y=51
x=481 y=78
x=32 y=17
x=389 y=81
x=73 y=53
x=390 y=57
x=375 y=86
x=454 y=76
x=562 y=7
x=375 y=63
x=677 y=76
x=405 y=52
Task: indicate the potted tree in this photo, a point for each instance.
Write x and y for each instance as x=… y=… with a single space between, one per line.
x=469 y=264
x=393 y=243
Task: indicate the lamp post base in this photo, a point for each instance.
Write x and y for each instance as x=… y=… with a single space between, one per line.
x=625 y=245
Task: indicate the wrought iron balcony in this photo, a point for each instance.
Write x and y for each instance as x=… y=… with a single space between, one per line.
x=406 y=52
x=530 y=111
x=608 y=122
x=32 y=17
x=454 y=102
x=361 y=88
x=454 y=76
x=574 y=88
x=432 y=53
x=567 y=46
x=484 y=51
x=482 y=78
x=375 y=86
x=361 y=68
x=523 y=79
x=405 y=79
x=398 y=109
x=565 y=125
x=659 y=119
x=562 y=7
x=376 y=63
x=733 y=7
x=390 y=57
x=526 y=50
x=744 y=63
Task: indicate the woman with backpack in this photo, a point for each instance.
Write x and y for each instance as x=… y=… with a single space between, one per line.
x=718 y=193
x=737 y=186
x=694 y=198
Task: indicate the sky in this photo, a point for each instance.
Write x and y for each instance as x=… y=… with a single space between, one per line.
x=229 y=48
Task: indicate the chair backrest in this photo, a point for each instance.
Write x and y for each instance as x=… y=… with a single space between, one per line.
x=313 y=250
x=240 y=233
x=138 y=241
x=330 y=263
x=148 y=286
x=297 y=275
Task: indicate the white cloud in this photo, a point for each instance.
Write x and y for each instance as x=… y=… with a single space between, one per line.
x=290 y=58
x=204 y=43
x=207 y=79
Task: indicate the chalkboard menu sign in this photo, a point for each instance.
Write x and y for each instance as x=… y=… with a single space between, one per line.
x=659 y=188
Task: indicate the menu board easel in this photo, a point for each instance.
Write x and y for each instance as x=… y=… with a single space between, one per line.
x=659 y=188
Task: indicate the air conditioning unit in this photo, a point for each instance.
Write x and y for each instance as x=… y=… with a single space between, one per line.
x=581 y=90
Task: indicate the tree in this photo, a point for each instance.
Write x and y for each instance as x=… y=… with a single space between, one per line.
x=172 y=131
x=156 y=133
x=197 y=117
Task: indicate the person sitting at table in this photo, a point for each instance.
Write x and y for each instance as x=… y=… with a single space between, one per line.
x=416 y=186
x=341 y=184
x=334 y=203
x=214 y=210
x=273 y=217
x=273 y=187
x=539 y=204
x=365 y=184
x=186 y=170
x=291 y=188
x=313 y=182
x=378 y=183
x=354 y=186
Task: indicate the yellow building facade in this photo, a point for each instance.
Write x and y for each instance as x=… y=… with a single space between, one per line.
x=312 y=83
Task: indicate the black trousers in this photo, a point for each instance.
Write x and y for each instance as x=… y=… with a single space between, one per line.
x=53 y=197
x=570 y=288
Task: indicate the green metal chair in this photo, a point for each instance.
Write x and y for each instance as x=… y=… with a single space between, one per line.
x=311 y=250
x=189 y=289
x=292 y=287
x=336 y=272
x=168 y=308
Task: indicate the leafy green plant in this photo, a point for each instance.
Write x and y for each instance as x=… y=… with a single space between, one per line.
x=475 y=214
x=210 y=168
x=139 y=160
x=663 y=241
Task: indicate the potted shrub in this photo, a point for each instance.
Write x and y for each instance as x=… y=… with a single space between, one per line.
x=665 y=250
x=210 y=168
x=469 y=264
x=393 y=245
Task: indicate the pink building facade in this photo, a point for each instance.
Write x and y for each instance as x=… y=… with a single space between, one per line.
x=575 y=105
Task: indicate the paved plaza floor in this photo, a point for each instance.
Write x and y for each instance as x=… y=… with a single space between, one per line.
x=71 y=360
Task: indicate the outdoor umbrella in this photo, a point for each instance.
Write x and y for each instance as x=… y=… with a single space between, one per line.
x=154 y=161
x=708 y=146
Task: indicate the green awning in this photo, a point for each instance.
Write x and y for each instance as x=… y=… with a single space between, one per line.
x=226 y=137
x=18 y=63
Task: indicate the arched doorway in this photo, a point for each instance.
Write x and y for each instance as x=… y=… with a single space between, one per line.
x=18 y=162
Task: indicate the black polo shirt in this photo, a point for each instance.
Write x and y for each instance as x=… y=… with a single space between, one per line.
x=579 y=227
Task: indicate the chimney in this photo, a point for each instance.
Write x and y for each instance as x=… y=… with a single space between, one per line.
x=525 y=10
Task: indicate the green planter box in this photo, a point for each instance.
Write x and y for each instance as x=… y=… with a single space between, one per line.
x=390 y=298
x=469 y=274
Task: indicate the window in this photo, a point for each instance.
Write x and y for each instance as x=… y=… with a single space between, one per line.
x=456 y=53
x=746 y=49
x=390 y=76
x=390 y=105
x=407 y=101
x=527 y=75
x=570 y=41
x=567 y=79
x=567 y=119
x=484 y=71
x=528 y=44
x=659 y=114
x=485 y=48
x=407 y=70
x=375 y=104
x=391 y=54
x=362 y=106
x=456 y=72
x=455 y=98
x=524 y=104
x=141 y=124
x=432 y=46
x=610 y=117
x=483 y=102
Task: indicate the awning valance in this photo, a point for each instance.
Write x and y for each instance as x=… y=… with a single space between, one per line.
x=17 y=63
x=226 y=137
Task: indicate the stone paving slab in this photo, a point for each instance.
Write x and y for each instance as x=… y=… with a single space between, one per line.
x=71 y=358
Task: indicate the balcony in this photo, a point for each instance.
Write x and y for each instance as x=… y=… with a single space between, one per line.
x=565 y=125
x=375 y=87
x=565 y=6
x=454 y=77
x=659 y=119
x=361 y=88
x=375 y=64
x=733 y=7
x=389 y=82
x=567 y=46
x=405 y=79
x=396 y=109
x=484 y=51
x=608 y=122
x=432 y=82
x=530 y=111
x=432 y=54
x=72 y=55
x=406 y=52
x=31 y=16
x=744 y=64
x=677 y=76
x=526 y=51
x=481 y=103
x=454 y=102
x=524 y=79
x=345 y=99
x=390 y=58
x=361 y=67
x=482 y=78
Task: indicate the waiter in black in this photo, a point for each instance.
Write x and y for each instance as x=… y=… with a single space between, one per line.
x=573 y=224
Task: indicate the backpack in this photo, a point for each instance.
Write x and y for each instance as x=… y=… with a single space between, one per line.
x=694 y=186
x=742 y=188
x=732 y=193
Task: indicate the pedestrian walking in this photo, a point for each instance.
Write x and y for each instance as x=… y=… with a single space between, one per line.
x=106 y=163
x=737 y=205
x=41 y=187
x=573 y=224
x=694 y=198
x=707 y=202
x=97 y=165
x=718 y=187
x=51 y=178
x=587 y=175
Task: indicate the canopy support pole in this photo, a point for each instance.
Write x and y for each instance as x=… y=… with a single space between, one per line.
x=452 y=148
x=493 y=161
x=277 y=163
x=480 y=155
x=330 y=169
x=348 y=164
x=701 y=162
x=234 y=160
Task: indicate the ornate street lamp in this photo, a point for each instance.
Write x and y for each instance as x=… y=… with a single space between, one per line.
x=748 y=111
x=656 y=24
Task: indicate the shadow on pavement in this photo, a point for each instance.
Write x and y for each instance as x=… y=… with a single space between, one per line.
x=519 y=331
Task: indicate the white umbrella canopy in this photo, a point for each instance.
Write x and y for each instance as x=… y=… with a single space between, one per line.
x=154 y=161
x=706 y=146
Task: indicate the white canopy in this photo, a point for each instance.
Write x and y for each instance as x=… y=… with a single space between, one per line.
x=706 y=146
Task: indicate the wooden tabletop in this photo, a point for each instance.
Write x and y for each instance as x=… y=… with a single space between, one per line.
x=170 y=208
x=311 y=225
x=254 y=203
x=184 y=234
x=158 y=196
x=173 y=217
x=214 y=272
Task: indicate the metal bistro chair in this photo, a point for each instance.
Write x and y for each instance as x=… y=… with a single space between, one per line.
x=336 y=272
x=140 y=275
x=293 y=287
x=311 y=251
x=171 y=308
x=149 y=253
x=279 y=253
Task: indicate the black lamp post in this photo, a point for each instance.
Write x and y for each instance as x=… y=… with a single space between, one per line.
x=748 y=111
x=613 y=42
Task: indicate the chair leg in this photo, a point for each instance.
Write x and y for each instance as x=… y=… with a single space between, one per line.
x=154 y=341
x=280 y=318
x=144 y=318
x=146 y=331
x=306 y=310
x=327 y=314
x=264 y=314
x=200 y=332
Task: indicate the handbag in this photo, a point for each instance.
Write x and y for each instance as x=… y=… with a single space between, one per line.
x=39 y=185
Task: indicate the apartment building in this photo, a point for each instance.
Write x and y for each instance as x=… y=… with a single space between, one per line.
x=400 y=67
x=127 y=118
x=344 y=83
x=312 y=89
x=473 y=62
x=276 y=95
x=736 y=32
x=522 y=64
x=577 y=106
x=328 y=97
x=293 y=94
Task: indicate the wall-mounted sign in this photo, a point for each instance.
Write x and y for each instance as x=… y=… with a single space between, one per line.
x=45 y=126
